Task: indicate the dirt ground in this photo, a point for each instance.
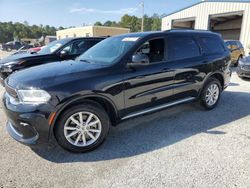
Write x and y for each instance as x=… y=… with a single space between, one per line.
x=4 y=54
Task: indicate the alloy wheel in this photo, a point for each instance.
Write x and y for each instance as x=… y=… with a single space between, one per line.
x=212 y=94
x=82 y=129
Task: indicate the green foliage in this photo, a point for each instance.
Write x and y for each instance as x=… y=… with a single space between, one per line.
x=10 y=31
x=151 y=23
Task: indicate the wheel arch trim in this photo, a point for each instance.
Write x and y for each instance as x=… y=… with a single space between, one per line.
x=74 y=99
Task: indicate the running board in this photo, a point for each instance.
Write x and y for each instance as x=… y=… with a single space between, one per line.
x=159 y=107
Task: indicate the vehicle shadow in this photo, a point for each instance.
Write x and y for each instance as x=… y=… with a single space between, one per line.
x=155 y=131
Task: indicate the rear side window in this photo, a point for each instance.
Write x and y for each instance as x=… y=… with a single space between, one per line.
x=212 y=45
x=182 y=48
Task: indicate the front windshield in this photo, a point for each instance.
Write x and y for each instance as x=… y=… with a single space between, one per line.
x=52 y=47
x=108 y=50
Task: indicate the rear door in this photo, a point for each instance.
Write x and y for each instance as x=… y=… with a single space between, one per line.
x=186 y=58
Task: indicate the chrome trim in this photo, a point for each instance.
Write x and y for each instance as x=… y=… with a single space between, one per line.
x=159 y=107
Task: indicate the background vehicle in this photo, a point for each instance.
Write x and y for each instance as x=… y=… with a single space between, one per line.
x=58 y=50
x=119 y=78
x=237 y=51
x=243 y=69
x=35 y=49
x=15 y=45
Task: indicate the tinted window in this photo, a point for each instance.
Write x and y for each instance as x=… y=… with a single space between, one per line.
x=77 y=47
x=53 y=46
x=182 y=48
x=212 y=45
x=154 y=49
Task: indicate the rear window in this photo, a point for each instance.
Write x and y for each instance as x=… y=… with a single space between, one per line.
x=182 y=48
x=212 y=45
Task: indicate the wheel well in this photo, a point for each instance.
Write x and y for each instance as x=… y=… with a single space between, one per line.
x=220 y=78
x=94 y=100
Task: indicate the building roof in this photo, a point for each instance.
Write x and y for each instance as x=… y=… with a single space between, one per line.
x=205 y=1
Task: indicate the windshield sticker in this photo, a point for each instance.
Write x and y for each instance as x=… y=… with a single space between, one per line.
x=130 y=39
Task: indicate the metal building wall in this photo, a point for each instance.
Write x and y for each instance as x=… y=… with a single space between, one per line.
x=201 y=11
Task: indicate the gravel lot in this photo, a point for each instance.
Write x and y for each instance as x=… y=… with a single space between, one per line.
x=184 y=146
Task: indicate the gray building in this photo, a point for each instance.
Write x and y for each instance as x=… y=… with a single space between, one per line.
x=229 y=18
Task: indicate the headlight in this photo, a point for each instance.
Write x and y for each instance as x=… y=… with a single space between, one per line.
x=33 y=96
x=7 y=67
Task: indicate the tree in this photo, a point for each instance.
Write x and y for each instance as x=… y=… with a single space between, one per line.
x=98 y=24
x=108 y=23
x=10 y=31
x=151 y=23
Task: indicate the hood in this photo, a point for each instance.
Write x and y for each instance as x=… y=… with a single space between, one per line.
x=48 y=75
x=16 y=57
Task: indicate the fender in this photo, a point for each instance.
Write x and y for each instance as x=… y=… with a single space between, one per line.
x=209 y=76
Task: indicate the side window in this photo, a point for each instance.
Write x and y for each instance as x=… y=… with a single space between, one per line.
x=84 y=46
x=212 y=45
x=72 y=48
x=154 y=49
x=182 y=48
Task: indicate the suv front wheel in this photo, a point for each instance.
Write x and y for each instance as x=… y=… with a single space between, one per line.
x=210 y=94
x=82 y=128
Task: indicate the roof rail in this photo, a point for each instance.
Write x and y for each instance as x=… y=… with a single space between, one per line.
x=172 y=30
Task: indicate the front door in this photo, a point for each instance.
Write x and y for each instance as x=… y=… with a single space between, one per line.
x=146 y=85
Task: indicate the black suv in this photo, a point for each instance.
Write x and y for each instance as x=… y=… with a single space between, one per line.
x=119 y=78
x=59 y=50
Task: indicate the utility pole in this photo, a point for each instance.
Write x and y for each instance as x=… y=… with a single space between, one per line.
x=142 y=19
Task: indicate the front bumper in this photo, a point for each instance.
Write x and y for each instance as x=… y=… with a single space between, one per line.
x=14 y=133
x=243 y=72
x=27 y=123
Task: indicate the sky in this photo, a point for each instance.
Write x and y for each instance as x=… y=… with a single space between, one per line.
x=78 y=12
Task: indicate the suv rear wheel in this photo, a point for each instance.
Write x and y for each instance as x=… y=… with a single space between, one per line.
x=82 y=128
x=210 y=94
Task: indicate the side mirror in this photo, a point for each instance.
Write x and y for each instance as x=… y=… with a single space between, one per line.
x=63 y=53
x=139 y=60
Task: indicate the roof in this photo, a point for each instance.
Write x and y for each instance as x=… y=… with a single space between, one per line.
x=76 y=38
x=205 y=1
x=144 y=34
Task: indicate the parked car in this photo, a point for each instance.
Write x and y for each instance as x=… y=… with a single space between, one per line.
x=15 y=45
x=58 y=50
x=243 y=69
x=119 y=78
x=237 y=51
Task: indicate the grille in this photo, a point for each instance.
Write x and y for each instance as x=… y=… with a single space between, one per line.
x=12 y=92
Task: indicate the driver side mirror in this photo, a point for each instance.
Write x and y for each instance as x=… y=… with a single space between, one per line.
x=139 y=60
x=63 y=54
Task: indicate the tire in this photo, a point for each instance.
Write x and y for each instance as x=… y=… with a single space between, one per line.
x=65 y=126
x=205 y=93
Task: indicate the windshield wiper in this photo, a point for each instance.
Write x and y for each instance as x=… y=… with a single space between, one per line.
x=84 y=60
